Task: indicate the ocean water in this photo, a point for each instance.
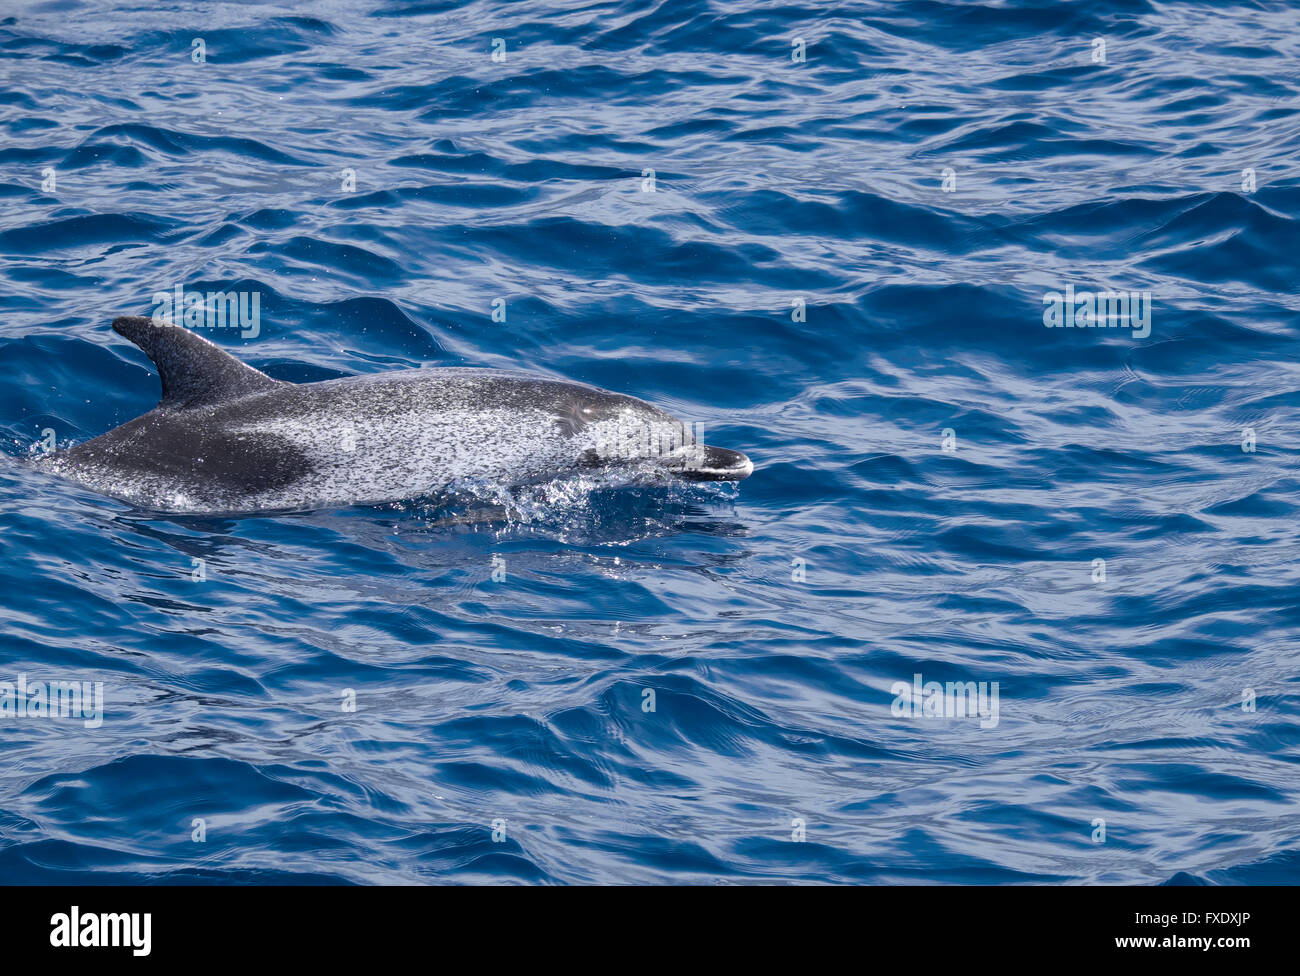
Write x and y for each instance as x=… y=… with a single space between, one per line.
x=827 y=234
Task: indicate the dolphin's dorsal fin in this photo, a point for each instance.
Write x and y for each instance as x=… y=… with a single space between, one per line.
x=194 y=372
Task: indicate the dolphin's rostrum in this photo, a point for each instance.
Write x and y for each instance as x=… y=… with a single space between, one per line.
x=227 y=439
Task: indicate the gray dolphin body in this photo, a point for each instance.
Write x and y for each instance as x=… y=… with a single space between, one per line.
x=227 y=439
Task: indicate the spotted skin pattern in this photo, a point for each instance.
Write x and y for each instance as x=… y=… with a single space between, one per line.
x=226 y=439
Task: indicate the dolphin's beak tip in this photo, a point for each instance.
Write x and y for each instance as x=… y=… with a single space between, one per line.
x=717 y=464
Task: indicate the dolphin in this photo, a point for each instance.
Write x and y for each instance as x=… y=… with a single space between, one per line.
x=226 y=439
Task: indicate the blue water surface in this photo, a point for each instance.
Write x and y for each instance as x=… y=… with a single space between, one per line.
x=823 y=232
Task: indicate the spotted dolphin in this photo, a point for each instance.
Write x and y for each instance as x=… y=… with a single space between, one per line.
x=227 y=439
